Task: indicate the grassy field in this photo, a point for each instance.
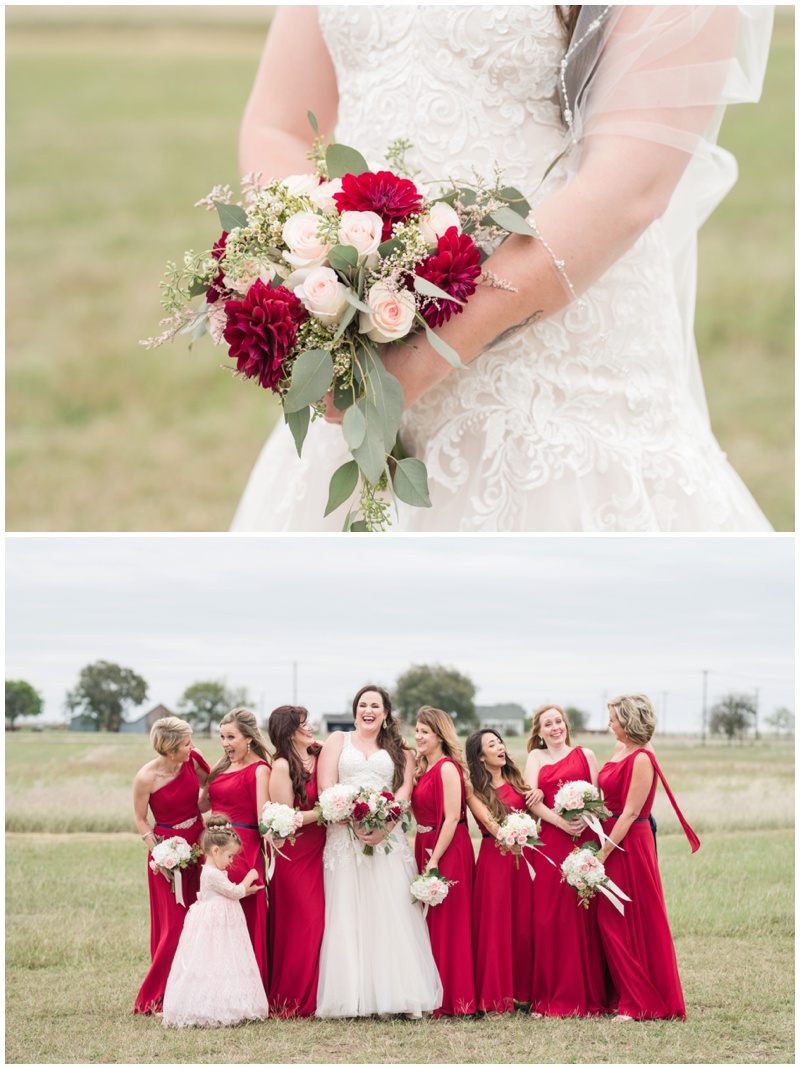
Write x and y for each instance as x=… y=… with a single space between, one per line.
x=118 y=119
x=77 y=927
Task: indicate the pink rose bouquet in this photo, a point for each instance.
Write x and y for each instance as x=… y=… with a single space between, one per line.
x=313 y=272
x=584 y=871
x=431 y=888
x=518 y=829
x=169 y=856
x=579 y=798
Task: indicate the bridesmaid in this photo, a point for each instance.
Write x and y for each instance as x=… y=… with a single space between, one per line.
x=239 y=785
x=638 y=946
x=169 y=785
x=297 y=899
x=502 y=911
x=568 y=969
x=443 y=843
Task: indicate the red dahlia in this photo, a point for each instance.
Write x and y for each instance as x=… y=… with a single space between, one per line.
x=262 y=330
x=390 y=197
x=213 y=293
x=360 y=810
x=454 y=268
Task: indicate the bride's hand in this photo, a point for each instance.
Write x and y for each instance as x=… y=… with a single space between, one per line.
x=371 y=838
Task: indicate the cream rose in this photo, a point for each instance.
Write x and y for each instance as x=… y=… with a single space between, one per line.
x=322 y=196
x=392 y=315
x=300 y=233
x=437 y=221
x=363 y=231
x=300 y=185
x=323 y=295
x=251 y=270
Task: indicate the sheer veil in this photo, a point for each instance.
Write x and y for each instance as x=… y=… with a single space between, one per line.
x=643 y=92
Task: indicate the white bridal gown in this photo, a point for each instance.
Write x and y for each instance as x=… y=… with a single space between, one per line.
x=591 y=420
x=376 y=953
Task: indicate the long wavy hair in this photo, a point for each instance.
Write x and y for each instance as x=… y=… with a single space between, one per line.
x=245 y=721
x=283 y=723
x=535 y=740
x=482 y=778
x=390 y=737
x=567 y=18
x=441 y=724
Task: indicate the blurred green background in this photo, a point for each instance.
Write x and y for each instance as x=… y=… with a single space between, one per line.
x=118 y=120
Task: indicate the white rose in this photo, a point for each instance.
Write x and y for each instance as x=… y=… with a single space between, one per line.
x=363 y=231
x=323 y=295
x=251 y=270
x=300 y=185
x=438 y=221
x=392 y=315
x=322 y=196
x=300 y=233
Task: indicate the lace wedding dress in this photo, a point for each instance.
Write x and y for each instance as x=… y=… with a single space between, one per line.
x=590 y=420
x=376 y=953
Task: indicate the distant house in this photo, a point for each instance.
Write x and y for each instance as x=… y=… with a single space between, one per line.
x=141 y=726
x=507 y=719
x=337 y=722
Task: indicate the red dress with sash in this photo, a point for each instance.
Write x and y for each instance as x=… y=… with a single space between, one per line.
x=450 y=923
x=173 y=804
x=296 y=918
x=569 y=977
x=638 y=946
x=502 y=920
x=234 y=793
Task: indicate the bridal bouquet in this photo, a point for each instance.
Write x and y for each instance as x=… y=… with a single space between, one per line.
x=431 y=888
x=518 y=829
x=376 y=810
x=311 y=274
x=581 y=798
x=335 y=804
x=282 y=820
x=583 y=870
x=169 y=856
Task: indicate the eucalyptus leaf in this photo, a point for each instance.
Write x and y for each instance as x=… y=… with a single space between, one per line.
x=386 y=248
x=343 y=257
x=411 y=482
x=429 y=289
x=516 y=201
x=297 y=423
x=359 y=526
x=347 y=319
x=371 y=454
x=230 y=215
x=342 y=160
x=443 y=349
x=354 y=426
x=385 y=394
x=350 y=295
x=343 y=483
x=508 y=219
x=313 y=121
x=311 y=379
x=344 y=396
x=197 y=288
x=201 y=317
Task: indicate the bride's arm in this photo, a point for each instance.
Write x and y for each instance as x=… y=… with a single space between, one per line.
x=295 y=76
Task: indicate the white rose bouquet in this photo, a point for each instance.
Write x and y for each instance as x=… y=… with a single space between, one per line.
x=584 y=871
x=579 y=798
x=335 y=804
x=169 y=856
x=431 y=888
x=314 y=272
x=282 y=820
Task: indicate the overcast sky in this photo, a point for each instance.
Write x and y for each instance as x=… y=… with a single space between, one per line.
x=571 y=620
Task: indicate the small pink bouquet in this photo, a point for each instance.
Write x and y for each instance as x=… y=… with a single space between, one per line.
x=580 y=798
x=583 y=870
x=518 y=829
x=313 y=272
x=376 y=810
x=431 y=888
x=169 y=856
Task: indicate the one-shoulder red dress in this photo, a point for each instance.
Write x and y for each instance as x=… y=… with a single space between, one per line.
x=296 y=918
x=234 y=793
x=502 y=920
x=638 y=946
x=450 y=923
x=174 y=808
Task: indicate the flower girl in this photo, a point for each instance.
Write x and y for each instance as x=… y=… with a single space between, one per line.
x=214 y=978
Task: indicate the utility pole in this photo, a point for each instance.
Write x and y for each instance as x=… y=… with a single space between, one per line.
x=705 y=700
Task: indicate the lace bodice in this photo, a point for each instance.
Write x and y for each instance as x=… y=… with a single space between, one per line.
x=214 y=883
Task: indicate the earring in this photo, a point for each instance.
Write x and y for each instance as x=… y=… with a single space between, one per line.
x=383 y=723
x=248 y=747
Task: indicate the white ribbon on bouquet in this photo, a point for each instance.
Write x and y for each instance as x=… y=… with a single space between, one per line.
x=591 y=821
x=613 y=894
x=176 y=872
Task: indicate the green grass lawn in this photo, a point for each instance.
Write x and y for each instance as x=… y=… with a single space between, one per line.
x=118 y=120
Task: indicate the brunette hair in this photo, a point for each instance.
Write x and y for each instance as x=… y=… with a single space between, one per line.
x=390 y=737
x=567 y=18
x=245 y=721
x=636 y=716
x=283 y=722
x=440 y=723
x=535 y=740
x=481 y=777
x=219 y=832
x=168 y=733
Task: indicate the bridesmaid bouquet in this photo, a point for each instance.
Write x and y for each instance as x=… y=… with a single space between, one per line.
x=376 y=810
x=518 y=829
x=581 y=798
x=169 y=856
x=583 y=870
x=431 y=888
x=282 y=820
x=335 y=804
x=312 y=273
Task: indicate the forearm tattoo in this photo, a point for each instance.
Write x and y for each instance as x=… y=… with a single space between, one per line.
x=517 y=327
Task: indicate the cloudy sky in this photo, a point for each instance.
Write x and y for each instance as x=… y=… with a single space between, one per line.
x=572 y=620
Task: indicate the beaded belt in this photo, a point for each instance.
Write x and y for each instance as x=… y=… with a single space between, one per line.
x=423 y=828
x=178 y=827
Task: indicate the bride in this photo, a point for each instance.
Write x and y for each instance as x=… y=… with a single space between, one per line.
x=376 y=953
x=582 y=408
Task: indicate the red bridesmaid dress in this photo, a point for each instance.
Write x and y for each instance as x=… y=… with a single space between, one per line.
x=450 y=923
x=297 y=918
x=234 y=793
x=638 y=946
x=174 y=807
x=569 y=976
x=502 y=921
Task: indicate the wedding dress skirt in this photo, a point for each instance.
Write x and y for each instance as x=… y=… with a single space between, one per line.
x=376 y=953
x=591 y=420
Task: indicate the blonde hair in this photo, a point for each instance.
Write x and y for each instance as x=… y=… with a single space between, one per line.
x=535 y=740
x=218 y=832
x=636 y=716
x=442 y=725
x=167 y=734
x=245 y=721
